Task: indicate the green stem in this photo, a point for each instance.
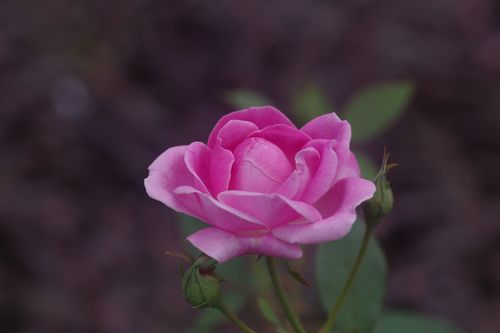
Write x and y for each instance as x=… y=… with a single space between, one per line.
x=278 y=288
x=350 y=280
x=234 y=319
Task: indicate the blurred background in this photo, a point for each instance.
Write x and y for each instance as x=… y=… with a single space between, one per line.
x=92 y=91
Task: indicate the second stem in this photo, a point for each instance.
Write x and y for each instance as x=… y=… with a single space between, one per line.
x=350 y=280
x=278 y=288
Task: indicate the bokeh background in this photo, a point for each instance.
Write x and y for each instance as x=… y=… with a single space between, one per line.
x=92 y=91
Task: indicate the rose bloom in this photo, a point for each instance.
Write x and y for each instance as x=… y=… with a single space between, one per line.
x=262 y=185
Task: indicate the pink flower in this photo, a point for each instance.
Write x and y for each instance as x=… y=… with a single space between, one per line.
x=262 y=185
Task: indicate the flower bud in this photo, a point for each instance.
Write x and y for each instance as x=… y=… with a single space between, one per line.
x=201 y=289
x=383 y=200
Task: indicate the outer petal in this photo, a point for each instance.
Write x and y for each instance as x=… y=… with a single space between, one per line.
x=338 y=209
x=222 y=245
x=208 y=209
x=289 y=139
x=261 y=116
x=270 y=209
x=328 y=126
x=166 y=173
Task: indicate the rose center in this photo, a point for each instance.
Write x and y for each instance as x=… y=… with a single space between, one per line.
x=260 y=166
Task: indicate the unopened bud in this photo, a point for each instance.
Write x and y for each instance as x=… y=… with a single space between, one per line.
x=201 y=288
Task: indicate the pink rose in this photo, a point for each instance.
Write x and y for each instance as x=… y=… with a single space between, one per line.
x=262 y=185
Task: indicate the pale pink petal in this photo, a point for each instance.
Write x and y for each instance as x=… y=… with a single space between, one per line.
x=338 y=210
x=261 y=116
x=218 y=214
x=259 y=166
x=222 y=245
x=289 y=139
x=328 y=126
x=221 y=164
x=167 y=172
x=306 y=163
x=233 y=132
x=322 y=180
x=270 y=209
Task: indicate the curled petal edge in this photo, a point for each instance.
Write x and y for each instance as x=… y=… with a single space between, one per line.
x=161 y=180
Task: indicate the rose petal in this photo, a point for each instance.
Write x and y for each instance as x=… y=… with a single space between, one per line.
x=259 y=166
x=328 y=126
x=208 y=209
x=261 y=116
x=322 y=180
x=289 y=139
x=211 y=170
x=222 y=245
x=233 y=132
x=338 y=209
x=270 y=209
x=167 y=172
x=306 y=163
x=347 y=163
x=221 y=164
x=197 y=159
x=345 y=195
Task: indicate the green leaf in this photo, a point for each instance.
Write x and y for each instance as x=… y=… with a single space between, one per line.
x=246 y=98
x=366 y=164
x=407 y=322
x=375 y=108
x=334 y=261
x=309 y=103
x=268 y=312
